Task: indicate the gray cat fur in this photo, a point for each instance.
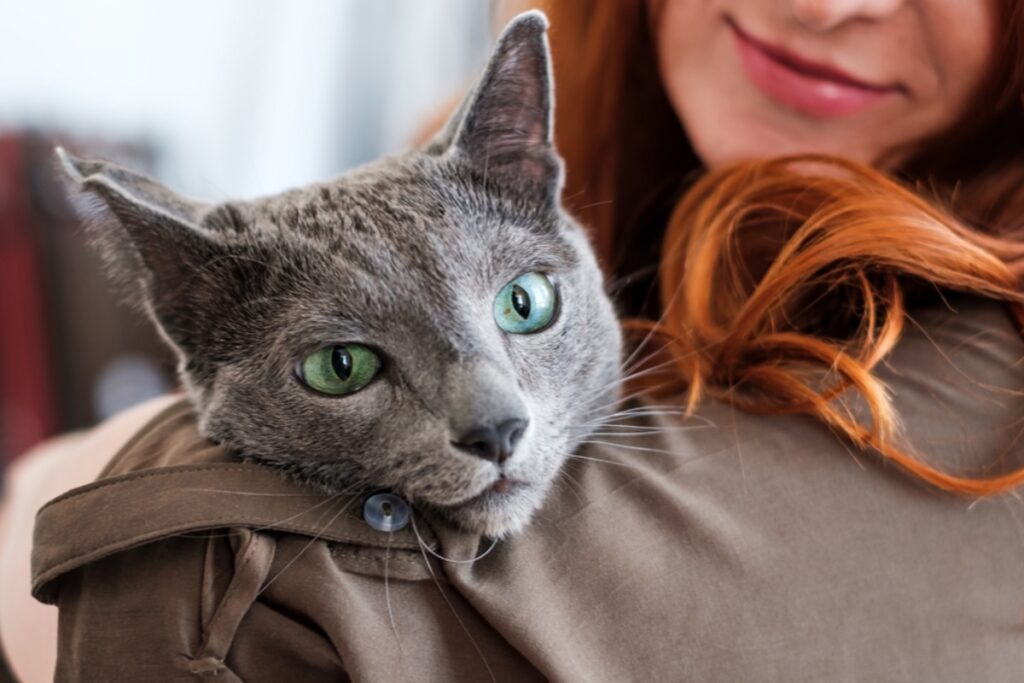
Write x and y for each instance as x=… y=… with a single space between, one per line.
x=405 y=255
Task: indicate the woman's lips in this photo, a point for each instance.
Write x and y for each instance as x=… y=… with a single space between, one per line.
x=810 y=88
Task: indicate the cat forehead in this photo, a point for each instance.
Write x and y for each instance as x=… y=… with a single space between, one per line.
x=405 y=206
x=345 y=202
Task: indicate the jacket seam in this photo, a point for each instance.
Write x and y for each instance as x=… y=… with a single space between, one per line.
x=161 y=472
x=228 y=616
x=127 y=543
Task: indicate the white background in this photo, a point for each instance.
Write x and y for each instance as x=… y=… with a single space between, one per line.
x=239 y=97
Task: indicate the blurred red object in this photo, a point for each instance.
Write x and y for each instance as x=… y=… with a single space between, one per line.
x=70 y=354
x=27 y=410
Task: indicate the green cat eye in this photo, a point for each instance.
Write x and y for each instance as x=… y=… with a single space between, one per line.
x=527 y=304
x=340 y=369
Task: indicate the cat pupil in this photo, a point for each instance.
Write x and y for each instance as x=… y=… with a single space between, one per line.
x=341 y=362
x=493 y=161
x=521 y=301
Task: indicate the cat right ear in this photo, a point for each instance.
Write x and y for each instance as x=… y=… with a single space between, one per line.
x=149 y=236
x=504 y=126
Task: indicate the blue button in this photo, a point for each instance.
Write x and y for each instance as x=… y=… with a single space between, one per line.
x=386 y=512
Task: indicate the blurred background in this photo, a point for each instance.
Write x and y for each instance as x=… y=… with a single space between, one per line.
x=232 y=98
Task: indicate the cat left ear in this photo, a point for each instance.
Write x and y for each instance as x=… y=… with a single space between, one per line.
x=155 y=242
x=504 y=126
x=156 y=234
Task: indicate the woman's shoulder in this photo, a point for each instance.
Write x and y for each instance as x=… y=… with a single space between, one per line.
x=957 y=382
x=736 y=546
x=726 y=545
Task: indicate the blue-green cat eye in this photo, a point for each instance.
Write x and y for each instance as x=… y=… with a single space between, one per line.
x=527 y=304
x=340 y=369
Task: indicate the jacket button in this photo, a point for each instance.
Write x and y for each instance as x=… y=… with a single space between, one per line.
x=386 y=512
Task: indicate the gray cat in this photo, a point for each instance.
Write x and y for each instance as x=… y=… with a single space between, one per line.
x=433 y=324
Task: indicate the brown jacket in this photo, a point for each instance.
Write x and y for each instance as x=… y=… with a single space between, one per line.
x=741 y=548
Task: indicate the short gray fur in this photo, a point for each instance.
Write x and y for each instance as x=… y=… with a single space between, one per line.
x=405 y=255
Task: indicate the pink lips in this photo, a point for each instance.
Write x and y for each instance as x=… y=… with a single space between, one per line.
x=808 y=87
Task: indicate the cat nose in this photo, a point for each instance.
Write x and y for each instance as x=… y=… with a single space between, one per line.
x=493 y=442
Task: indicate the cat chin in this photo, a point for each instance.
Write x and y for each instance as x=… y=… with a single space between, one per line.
x=495 y=515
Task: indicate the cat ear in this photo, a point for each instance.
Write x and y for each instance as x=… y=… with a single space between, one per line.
x=149 y=236
x=504 y=126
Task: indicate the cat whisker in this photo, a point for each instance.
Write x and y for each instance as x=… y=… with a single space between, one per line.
x=626 y=434
x=628 y=423
x=602 y=392
x=387 y=597
x=628 y=426
x=620 y=399
x=590 y=458
x=666 y=307
x=426 y=560
x=645 y=429
x=571 y=483
x=618 y=284
x=647 y=337
x=626 y=365
x=430 y=550
x=648 y=407
x=306 y=547
x=272 y=525
x=627 y=377
x=631 y=364
x=630 y=415
x=603 y=202
x=642 y=449
x=253 y=493
x=653 y=328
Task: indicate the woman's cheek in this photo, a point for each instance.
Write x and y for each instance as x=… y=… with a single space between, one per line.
x=932 y=57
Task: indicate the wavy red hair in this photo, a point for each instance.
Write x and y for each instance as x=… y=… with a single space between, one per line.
x=746 y=325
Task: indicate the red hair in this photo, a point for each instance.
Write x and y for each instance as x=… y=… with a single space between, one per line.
x=751 y=330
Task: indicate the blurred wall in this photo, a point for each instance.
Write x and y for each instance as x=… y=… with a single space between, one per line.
x=219 y=99
x=241 y=97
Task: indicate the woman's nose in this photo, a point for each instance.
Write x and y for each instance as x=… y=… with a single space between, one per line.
x=825 y=15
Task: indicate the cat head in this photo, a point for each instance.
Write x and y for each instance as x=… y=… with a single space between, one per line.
x=433 y=324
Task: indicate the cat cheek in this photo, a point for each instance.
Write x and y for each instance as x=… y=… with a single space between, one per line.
x=445 y=478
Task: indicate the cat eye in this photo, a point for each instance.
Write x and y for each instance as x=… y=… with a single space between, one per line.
x=526 y=305
x=340 y=369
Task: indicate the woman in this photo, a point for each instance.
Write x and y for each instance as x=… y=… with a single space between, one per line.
x=760 y=547
x=929 y=92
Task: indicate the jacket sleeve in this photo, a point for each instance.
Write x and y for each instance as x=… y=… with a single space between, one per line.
x=184 y=608
x=137 y=615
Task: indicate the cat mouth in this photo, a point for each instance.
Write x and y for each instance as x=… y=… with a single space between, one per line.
x=504 y=485
x=501 y=489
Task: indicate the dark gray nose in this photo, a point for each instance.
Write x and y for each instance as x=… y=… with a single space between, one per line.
x=493 y=442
